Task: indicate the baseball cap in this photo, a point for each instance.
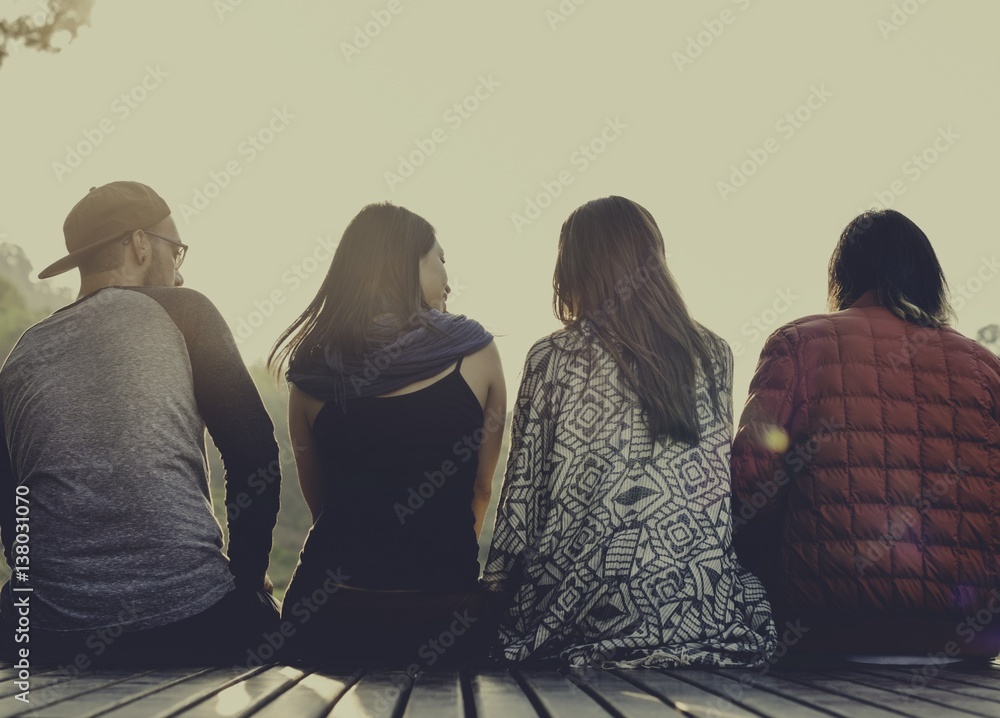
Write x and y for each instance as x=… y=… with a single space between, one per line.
x=103 y=215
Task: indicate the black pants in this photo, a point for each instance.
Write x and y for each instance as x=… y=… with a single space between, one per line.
x=223 y=634
x=418 y=629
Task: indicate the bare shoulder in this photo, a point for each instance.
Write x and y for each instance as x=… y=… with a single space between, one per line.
x=482 y=371
x=488 y=356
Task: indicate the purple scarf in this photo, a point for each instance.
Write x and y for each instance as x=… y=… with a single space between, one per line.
x=398 y=356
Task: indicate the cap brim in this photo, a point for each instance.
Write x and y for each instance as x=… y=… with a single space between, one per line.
x=73 y=259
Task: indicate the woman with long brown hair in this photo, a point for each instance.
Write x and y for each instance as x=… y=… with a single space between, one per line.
x=613 y=536
x=395 y=414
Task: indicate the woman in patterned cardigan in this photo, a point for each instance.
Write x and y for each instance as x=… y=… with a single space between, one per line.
x=613 y=537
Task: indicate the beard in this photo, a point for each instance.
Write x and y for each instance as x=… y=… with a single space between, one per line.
x=156 y=275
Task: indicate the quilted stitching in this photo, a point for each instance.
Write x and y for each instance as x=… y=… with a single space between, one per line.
x=898 y=511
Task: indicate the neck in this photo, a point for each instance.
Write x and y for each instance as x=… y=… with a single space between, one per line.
x=92 y=282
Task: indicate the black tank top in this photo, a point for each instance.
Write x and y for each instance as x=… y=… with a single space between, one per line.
x=398 y=476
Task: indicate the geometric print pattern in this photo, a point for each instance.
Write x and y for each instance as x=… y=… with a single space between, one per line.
x=611 y=547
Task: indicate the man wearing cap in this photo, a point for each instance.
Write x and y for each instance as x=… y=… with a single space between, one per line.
x=105 y=512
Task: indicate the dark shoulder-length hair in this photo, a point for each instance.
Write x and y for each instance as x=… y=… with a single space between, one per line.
x=611 y=271
x=375 y=269
x=884 y=250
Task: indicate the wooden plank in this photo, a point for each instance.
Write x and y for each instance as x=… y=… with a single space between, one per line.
x=745 y=693
x=285 y=692
x=841 y=703
x=848 y=684
x=378 y=694
x=168 y=701
x=685 y=697
x=619 y=696
x=559 y=696
x=929 y=693
x=496 y=694
x=436 y=695
x=312 y=697
x=245 y=697
x=89 y=703
x=972 y=679
x=54 y=677
x=9 y=674
x=941 y=681
x=978 y=667
x=45 y=692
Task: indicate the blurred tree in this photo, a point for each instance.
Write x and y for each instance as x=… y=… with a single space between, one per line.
x=38 y=29
x=15 y=316
x=989 y=337
x=39 y=297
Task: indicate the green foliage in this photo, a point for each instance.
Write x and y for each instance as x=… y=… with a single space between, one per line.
x=22 y=302
x=14 y=316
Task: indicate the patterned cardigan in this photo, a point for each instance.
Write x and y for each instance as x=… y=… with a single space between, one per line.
x=611 y=547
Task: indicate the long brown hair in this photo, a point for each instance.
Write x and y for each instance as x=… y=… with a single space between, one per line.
x=612 y=271
x=376 y=268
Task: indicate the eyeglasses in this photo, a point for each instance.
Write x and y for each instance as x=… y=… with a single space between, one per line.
x=178 y=255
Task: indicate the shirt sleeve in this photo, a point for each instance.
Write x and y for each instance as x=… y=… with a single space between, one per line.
x=524 y=496
x=238 y=424
x=760 y=474
x=7 y=487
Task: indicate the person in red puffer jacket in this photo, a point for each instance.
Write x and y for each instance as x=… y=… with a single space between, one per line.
x=866 y=467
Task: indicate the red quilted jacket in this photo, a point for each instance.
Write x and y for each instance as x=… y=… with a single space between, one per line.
x=866 y=484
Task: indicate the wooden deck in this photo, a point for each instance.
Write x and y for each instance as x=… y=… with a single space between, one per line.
x=287 y=692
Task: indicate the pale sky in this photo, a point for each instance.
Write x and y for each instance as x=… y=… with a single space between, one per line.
x=285 y=94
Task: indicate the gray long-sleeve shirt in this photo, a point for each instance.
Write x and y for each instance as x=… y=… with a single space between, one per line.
x=104 y=407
